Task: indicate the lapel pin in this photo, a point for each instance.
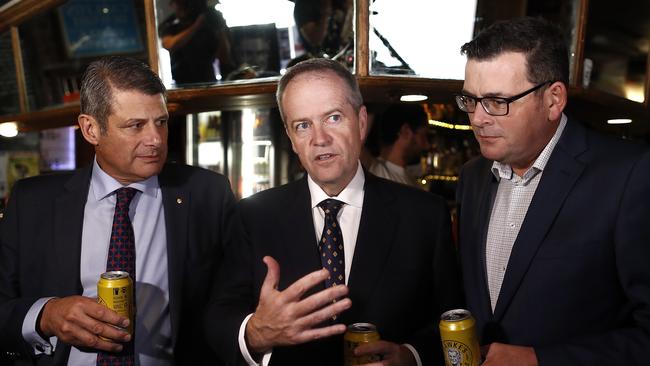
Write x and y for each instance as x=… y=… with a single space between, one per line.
x=179 y=200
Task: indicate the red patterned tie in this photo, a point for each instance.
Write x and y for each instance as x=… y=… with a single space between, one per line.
x=121 y=257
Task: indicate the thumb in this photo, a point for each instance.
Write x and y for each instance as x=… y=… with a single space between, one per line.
x=272 y=278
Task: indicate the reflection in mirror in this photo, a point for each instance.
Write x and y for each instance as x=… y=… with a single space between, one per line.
x=616 y=48
x=419 y=37
x=58 y=45
x=9 y=103
x=203 y=42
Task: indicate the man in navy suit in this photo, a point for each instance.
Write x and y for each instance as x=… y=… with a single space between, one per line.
x=54 y=238
x=553 y=218
x=398 y=265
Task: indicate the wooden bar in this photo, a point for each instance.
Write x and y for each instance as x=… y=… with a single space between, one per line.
x=361 y=31
x=20 y=70
x=152 y=35
x=581 y=30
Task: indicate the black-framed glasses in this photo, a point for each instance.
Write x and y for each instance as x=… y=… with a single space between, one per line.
x=494 y=106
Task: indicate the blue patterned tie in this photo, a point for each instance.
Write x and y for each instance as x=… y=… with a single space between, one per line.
x=121 y=257
x=330 y=245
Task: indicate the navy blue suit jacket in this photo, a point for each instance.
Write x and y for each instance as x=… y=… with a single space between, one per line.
x=40 y=250
x=577 y=285
x=404 y=273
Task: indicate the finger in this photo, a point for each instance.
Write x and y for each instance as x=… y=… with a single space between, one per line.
x=298 y=288
x=320 y=299
x=79 y=336
x=314 y=318
x=320 y=333
x=103 y=314
x=272 y=278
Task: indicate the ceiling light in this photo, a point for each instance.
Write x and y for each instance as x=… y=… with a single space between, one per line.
x=413 y=98
x=9 y=129
x=619 y=121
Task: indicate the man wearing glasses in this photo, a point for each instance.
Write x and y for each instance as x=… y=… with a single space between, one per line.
x=554 y=239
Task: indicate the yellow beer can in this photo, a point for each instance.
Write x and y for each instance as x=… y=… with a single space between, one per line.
x=459 y=340
x=356 y=335
x=115 y=291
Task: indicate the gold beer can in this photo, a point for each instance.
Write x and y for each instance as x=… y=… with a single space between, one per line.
x=356 y=335
x=115 y=291
x=459 y=340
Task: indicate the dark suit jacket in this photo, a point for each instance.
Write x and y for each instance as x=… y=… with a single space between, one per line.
x=577 y=286
x=40 y=249
x=403 y=276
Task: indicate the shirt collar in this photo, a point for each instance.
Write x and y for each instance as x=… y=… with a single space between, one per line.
x=500 y=170
x=103 y=185
x=351 y=195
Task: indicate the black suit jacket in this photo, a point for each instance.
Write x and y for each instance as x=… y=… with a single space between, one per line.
x=403 y=275
x=40 y=250
x=577 y=286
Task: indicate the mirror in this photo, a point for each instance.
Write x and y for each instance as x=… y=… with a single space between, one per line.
x=58 y=44
x=420 y=38
x=207 y=42
x=616 y=48
x=9 y=103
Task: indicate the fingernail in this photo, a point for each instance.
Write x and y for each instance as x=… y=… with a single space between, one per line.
x=127 y=338
x=125 y=323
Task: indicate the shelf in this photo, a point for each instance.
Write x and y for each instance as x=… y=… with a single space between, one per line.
x=590 y=106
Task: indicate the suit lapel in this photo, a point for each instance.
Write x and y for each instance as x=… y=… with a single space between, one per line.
x=559 y=177
x=376 y=236
x=487 y=191
x=176 y=204
x=68 y=226
x=300 y=243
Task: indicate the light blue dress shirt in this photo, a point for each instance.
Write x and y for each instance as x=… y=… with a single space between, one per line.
x=153 y=325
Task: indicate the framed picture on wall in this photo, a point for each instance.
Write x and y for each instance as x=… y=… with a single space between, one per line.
x=100 y=27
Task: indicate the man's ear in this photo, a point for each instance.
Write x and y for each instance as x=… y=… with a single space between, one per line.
x=405 y=132
x=89 y=128
x=555 y=100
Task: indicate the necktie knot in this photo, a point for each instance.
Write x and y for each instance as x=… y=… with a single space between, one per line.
x=124 y=196
x=331 y=206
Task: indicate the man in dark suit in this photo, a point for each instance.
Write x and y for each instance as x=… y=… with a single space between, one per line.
x=553 y=233
x=396 y=267
x=54 y=238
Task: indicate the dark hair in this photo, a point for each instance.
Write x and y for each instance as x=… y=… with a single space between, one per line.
x=397 y=115
x=321 y=65
x=543 y=43
x=104 y=76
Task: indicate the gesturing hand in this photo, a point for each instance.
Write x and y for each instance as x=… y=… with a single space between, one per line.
x=284 y=318
x=80 y=321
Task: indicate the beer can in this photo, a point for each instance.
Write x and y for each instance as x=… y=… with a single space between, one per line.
x=356 y=335
x=115 y=291
x=459 y=340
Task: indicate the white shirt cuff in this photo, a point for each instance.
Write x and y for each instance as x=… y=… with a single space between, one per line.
x=30 y=334
x=244 y=349
x=415 y=354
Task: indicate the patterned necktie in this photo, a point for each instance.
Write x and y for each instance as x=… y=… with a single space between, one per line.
x=330 y=245
x=121 y=257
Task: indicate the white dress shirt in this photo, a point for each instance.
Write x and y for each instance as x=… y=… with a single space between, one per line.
x=152 y=324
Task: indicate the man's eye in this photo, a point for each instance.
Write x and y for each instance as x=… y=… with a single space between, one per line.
x=301 y=126
x=334 y=118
